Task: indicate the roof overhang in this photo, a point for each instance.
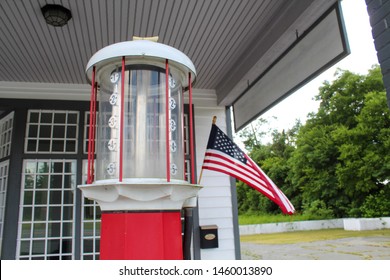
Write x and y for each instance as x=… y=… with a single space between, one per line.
x=320 y=47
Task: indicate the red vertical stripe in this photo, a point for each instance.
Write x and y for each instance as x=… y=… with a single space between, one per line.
x=167 y=119
x=192 y=152
x=93 y=134
x=183 y=133
x=90 y=139
x=122 y=116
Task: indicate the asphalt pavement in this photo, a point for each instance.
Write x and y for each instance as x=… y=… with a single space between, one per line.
x=357 y=248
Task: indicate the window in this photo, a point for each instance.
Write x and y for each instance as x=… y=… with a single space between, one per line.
x=6 y=124
x=90 y=212
x=49 y=131
x=3 y=193
x=90 y=225
x=46 y=221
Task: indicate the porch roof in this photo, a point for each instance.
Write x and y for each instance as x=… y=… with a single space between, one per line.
x=233 y=44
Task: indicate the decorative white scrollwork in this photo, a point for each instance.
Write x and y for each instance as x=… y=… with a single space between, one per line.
x=111 y=168
x=114 y=77
x=173 y=169
x=172 y=103
x=112 y=122
x=172 y=125
x=112 y=145
x=172 y=82
x=113 y=99
x=173 y=146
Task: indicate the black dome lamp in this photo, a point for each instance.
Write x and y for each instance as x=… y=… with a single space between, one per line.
x=56 y=15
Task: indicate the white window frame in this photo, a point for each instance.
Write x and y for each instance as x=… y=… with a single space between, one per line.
x=52 y=124
x=6 y=125
x=45 y=234
x=94 y=232
x=4 y=170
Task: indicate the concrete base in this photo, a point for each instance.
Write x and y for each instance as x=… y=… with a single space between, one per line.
x=293 y=226
x=347 y=224
x=366 y=223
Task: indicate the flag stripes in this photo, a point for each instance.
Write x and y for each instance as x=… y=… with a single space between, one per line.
x=216 y=161
x=284 y=203
x=223 y=155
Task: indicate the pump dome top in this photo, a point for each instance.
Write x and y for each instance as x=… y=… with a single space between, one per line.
x=143 y=52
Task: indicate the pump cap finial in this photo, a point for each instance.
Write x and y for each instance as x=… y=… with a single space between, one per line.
x=152 y=39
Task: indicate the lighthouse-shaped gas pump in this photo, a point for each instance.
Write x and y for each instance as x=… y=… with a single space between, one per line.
x=139 y=179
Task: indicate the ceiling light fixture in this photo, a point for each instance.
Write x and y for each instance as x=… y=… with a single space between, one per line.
x=56 y=15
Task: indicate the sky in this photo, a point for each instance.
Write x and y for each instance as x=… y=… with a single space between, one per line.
x=360 y=60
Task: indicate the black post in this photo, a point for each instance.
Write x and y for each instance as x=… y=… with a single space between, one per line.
x=188 y=225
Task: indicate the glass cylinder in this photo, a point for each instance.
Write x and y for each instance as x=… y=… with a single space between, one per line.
x=144 y=153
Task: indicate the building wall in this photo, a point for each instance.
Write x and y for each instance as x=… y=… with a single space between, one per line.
x=379 y=12
x=19 y=158
x=215 y=199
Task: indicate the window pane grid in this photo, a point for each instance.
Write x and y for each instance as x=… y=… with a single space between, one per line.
x=6 y=125
x=3 y=194
x=46 y=219
x=90 y=225
x=50 y=131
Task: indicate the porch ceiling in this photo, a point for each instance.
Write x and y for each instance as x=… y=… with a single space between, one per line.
x=224 y=38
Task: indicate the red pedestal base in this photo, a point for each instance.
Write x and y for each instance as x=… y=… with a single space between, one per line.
x=141 y=236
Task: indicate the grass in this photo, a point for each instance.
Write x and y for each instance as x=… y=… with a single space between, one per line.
x=311 y=236
x=265 y=219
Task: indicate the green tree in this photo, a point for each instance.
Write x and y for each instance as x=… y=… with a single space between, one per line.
x=272 y=158
x=342 y=156
x=277 y=165
x=364 y=167
x=338 y=163
x=249 y=200
x=312 y=167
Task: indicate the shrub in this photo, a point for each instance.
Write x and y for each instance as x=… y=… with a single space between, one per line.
x=377 y=205
x=317 y=209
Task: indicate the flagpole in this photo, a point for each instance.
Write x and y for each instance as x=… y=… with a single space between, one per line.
x=200 y=176
x=201 y=170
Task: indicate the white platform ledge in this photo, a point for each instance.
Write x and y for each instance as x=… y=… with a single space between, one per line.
x=141 y=194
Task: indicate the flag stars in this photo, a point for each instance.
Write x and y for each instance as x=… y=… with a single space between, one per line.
x=225 y=145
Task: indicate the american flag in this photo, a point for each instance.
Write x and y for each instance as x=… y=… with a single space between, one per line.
x=223 y=155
